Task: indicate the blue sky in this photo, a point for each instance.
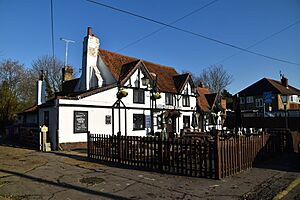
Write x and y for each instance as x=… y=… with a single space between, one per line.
x=26 y=33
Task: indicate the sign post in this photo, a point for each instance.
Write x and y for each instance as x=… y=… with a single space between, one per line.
x=44 y=130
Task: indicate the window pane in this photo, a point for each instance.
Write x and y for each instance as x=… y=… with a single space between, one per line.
x=186 y=121
x=138 y=121
x=138 y=96
x=169 y=99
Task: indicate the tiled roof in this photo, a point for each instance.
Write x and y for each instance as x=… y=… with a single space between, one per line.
x=168 y=80
x=202 y=100
x=268 y=85
x=76 y=95
x=30 y=109
x=68 y=87
x=119 y=65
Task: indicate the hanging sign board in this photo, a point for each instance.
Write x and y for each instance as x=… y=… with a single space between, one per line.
x=80 y=121
x=147 y=121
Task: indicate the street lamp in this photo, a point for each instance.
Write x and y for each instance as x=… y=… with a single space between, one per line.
x=154 y=95
x=145 y=81
x=284 y=99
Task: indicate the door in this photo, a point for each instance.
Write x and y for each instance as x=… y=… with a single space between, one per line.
x=171 y=126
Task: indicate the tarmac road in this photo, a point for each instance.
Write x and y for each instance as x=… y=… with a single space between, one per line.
x=29 y=174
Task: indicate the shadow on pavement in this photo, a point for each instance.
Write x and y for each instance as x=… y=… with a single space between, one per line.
x=82 y=157
x=65 y=185
x=289 y=162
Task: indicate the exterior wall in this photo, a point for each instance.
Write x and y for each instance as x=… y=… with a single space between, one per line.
x=30 y=118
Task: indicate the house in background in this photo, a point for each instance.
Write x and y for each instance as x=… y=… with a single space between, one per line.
x=269 y=97
x=28 y=117
x=211 y=109
x=117 y=94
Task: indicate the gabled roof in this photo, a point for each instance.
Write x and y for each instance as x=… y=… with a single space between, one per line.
x=268 y=85
x=120 y=65
x=202 y=100
x=180 y=81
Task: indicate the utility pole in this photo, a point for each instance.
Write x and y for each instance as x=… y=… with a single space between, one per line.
x=67 y=48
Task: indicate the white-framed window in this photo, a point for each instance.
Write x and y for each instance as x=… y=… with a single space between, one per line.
x=185 y=101
x=259 y=102
x=249 y=99
x=242 y=100
x=169 y=99
x=138 y=96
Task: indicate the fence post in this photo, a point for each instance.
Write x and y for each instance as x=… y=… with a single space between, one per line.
x=160 y=153
x=88 y=144
x=239 y=153
x=119 y=147
x=217 y=157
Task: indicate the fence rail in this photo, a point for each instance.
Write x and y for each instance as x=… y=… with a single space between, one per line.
x=199 y=157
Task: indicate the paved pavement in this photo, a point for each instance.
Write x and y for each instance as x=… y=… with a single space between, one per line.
x=29 y=174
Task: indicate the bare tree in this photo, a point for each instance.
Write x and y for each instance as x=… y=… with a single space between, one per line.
x=52 y=68
x=16 y=90
x=216 y=78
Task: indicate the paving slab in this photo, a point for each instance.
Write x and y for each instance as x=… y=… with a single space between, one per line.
x=29 y=174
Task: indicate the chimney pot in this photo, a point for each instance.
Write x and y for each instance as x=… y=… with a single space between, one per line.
x=284 y=82
x=201 y=85
x=89 y=32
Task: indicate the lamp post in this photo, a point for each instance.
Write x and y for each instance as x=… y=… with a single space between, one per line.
x=120 y=94
x=284 y=99
x=146 y=82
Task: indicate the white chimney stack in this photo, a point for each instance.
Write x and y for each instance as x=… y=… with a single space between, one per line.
x=41 y=90
x=90 y=76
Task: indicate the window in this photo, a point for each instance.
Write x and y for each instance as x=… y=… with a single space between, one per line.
x=249 y=99
x=46 y=118
x=185 y=101
x=186 y=121
x=242 y=100
x=259 y=103
x=138 y=96
x=169 y=99
x=159 y=121
x=138 y=122
x=107 y=119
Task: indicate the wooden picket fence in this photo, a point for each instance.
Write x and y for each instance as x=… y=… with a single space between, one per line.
x=192 y=157
x=207 y=157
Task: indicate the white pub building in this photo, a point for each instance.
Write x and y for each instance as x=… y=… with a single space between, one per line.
x=117 y=94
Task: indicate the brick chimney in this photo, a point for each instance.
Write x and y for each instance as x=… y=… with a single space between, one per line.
x=201 y=85
x=67 y=73
x=284 y=82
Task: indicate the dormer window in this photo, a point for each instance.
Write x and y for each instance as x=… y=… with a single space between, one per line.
x=169 y=99
x=138 y=96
